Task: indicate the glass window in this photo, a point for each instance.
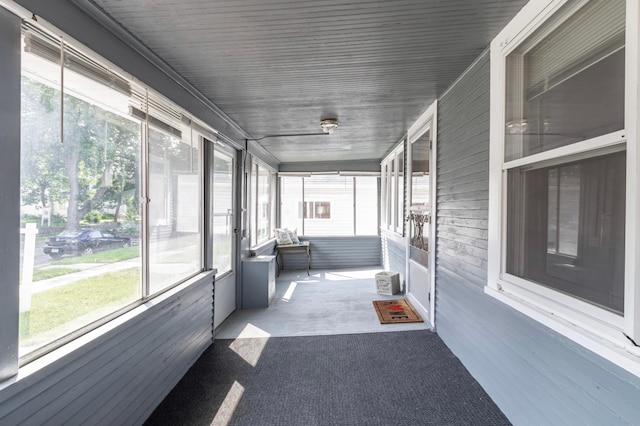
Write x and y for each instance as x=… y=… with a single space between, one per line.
x=420 y=172
x=80 y=188
x=562 y=232
x=174 y=209
x=324 y=204
x=384 y=196
x=83 y=177
x=329 y=205
x=366 y=205
x=291 y=208
x=420 y=196
x=393 y=191
x=566 y=228
x=223 y=184
x=399 y=182
x=263 y=209
x=567 y=85
x=565 y=217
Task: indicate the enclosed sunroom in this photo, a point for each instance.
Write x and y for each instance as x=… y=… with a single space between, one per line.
x=486 y=152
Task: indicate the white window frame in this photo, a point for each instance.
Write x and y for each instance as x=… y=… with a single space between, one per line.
x=189 y=125
x=258 y=166
x=392 y=202
x=598 y=330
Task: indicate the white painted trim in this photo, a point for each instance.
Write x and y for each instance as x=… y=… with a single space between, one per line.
x=589 y=316
x=421 y=309
x=590 y=326
x=426 y=121
x=420 y=125
x=496 y=150
x=632 y=224
x=600 y=142
x=433 y=189
x=392 y=210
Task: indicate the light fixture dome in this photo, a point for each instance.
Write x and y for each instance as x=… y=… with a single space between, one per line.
x=329 y=125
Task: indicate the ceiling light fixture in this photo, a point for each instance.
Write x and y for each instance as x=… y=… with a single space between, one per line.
x=329 y=125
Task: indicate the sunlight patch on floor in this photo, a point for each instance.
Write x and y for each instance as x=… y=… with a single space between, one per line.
x=250 y=344
x=290 y=290
x=229 y=405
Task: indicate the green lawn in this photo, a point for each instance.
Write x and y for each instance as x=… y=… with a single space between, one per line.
x=108 y=256
x=53 y=308
x=46 y=273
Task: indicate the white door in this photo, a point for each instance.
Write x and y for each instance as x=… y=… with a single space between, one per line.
x=419 y=215
x=223 y=192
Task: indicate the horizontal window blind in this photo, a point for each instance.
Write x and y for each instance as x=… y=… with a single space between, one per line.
x=593 y=33
x=44 y=46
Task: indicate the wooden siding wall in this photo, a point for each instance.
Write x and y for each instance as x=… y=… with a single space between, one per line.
x=534 y=375
x=394 y=254
x=337 y=252
x=117 y=377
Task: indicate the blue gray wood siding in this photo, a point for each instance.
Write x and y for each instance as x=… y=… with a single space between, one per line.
x=117 y=377
x=534 y=375
x=394 y=254
x=337 y=252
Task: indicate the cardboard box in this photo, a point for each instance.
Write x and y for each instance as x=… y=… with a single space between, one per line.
x=387 y=282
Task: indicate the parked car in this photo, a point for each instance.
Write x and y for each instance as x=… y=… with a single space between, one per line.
x=83 y=242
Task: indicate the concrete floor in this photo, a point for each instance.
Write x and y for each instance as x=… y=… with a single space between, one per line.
x=326 y=302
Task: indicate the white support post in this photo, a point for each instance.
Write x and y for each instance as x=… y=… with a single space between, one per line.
x=28 y=257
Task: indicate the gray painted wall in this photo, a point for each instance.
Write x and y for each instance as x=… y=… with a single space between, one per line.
x=10 y=192
x=534 y=375
x=394 y=254
x=333 y=253
x=120 y=376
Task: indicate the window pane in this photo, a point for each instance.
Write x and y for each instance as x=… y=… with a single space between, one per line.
x=366 y=205
x=384 y=195
x=332 y=200
x=568 y=86
x=292 y=208
x=420 y=172
x=253 y=207
x=420 y=195
x=264 y=204
x=222 y=211
x=393 y=200
x=174 y=210
x=565 y=228
x=82 y=193
x=399 y=217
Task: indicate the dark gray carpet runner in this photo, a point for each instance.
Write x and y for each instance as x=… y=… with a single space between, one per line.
x=396 y=379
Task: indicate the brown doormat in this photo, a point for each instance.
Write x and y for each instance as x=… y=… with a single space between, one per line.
x=395 y=311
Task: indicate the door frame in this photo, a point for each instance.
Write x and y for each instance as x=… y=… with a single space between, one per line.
x=427 y=121
x=228 y=278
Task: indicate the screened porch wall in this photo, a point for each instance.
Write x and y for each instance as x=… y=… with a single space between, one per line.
x=117 y=376
x=337 y=253
x=530 y=371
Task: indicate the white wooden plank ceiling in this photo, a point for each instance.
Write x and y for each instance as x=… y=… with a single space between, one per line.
x=280 y=66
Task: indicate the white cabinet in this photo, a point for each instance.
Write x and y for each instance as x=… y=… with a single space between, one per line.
x=258 y=281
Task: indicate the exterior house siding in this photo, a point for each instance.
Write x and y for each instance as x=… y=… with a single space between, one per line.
x=532 y=373
x=117 y=376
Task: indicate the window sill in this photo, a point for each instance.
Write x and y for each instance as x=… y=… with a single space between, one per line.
x=262 y=245
x=615 y=347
